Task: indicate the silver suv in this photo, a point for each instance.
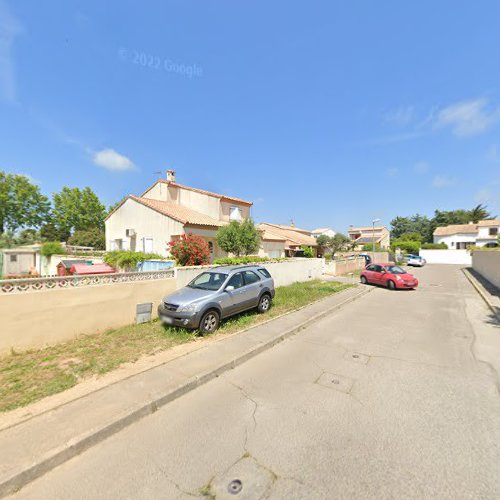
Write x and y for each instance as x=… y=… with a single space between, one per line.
x=217 y=294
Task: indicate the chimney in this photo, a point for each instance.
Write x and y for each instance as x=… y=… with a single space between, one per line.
x=171 y=175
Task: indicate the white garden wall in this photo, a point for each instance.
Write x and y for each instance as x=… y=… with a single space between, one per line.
x=487 y=264
x=462 y=257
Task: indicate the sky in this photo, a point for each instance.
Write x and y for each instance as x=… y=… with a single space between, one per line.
x=327 y=113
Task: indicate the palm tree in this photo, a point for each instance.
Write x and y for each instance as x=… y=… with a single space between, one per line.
x=480 y=212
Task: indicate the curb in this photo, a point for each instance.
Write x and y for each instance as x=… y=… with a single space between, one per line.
x=83 y=443
x=480 y=289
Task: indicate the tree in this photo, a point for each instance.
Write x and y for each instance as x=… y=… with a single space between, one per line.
x=49 y=232
x=339 y=243
x=480 y=212
x=190 y=250
x=28 y=237
x=413 y=224
x=229 y=238
x=249 y=237
x=21 y=203
x=91 y=238
x=77 y=210
x=411 y=237
x=323 y=241
x=308 y=251
x=52 y=248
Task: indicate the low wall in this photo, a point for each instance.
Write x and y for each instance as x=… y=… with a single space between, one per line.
x=340 y=267
x=35 y=319
x=284 y=273
x=462 y=257
x=487 y=264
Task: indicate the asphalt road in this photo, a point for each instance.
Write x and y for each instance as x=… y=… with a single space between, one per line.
x=386 y=398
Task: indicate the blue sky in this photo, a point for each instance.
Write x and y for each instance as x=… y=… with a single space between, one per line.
x=328 y=112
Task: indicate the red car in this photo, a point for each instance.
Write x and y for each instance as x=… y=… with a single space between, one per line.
x=388 y=275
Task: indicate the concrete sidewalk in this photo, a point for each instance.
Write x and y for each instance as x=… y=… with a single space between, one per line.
x=35 y=446
x=489 y=293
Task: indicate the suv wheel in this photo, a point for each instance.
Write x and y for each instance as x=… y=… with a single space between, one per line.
x=264 y=304
x=209 y=322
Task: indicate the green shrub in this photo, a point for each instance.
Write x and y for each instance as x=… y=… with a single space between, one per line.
x=434 y=246
x=52 y=248
x=407 y=246
x=128 y=260
x=236 y=261
x=90 y=238
x=308 y=251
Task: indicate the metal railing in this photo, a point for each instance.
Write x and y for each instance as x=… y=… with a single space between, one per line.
x=8 y=286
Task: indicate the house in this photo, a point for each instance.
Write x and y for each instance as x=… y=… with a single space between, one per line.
x=367 y=235
x=461 y=236
x=323 y=231
x=292 y=237
x=166 y=211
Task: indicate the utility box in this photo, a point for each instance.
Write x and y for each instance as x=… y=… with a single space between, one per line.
x=143 y=313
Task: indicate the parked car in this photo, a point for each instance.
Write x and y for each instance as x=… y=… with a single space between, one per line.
x=217 y=294
x=389 y=275
x=415 y=260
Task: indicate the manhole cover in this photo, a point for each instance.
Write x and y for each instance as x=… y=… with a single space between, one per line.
x=235 y=487
x=357 y=357
x=337 y=382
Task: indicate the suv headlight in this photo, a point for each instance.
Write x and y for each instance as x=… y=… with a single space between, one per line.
x=187 y=309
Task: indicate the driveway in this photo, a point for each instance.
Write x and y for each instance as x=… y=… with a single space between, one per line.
x=386 y=398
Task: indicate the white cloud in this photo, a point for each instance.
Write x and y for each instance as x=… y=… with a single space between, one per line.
x=421 y=167
x=401 y=116
x=391 y=172
x=466 y=118
x=111 y=160
x=9 y=29
x=443 y=181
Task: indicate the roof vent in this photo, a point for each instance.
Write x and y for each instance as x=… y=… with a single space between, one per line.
x=171 y=175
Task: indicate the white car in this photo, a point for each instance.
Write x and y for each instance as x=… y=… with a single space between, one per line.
x=415 y=260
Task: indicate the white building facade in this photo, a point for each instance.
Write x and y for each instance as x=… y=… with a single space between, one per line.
x=463 y=236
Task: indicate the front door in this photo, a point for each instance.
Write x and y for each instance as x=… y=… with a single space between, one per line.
x=251 y=290
x=377 y=276
x=236 y=296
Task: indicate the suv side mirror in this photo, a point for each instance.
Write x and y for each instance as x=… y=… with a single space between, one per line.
x=229 y=288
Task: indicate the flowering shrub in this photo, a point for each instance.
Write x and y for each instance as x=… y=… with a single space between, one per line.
x=190 y=250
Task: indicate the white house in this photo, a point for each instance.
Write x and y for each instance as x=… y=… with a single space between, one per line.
x=326 y=231
x=167 y=210
x=462 y=236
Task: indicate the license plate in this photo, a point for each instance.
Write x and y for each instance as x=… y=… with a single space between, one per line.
x=168 y=320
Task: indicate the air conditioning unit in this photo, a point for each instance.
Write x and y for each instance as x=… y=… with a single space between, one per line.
x=130 y=233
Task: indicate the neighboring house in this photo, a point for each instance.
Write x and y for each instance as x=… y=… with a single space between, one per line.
x=323 y=231
x=367 y=235
x=462 y=236
x=166 y=211
x=21 y=261
x=294 y=238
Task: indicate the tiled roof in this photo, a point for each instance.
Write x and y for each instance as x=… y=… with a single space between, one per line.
x=321 y=230
x=491 y=222
x=179 y=213
x=203 y=191
x=267 y=236
x=292 y=236
x=363 y=229
x=456 y=229
x=289 y=228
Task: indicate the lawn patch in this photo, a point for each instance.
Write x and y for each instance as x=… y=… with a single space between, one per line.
x=32 y=375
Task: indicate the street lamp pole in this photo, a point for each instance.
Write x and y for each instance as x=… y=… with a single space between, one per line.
x=373 y=238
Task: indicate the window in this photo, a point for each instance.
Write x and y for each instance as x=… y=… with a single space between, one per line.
x=235 y=213
x=250 y=277
x=378 y=269
x=493 y=231
x=208 y=281
x=371 y=267
x=236 y=281
x=265 y=273
x=13 y=257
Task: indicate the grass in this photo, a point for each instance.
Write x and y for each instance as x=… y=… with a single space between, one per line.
x=32 y=375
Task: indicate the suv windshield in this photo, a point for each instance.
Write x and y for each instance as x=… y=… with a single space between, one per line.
x=395 y=270
x=208 y=281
